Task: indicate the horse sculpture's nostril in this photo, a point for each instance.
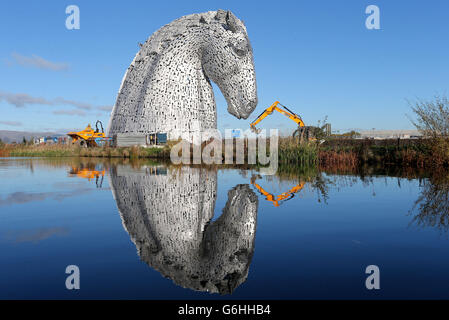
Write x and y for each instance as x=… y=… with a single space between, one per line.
x=251 y=106
x=247 y=110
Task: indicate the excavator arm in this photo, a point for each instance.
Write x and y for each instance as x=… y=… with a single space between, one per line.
x=277 y=200
x=287 y=112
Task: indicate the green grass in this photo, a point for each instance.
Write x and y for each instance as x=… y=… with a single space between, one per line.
x=75 y=151
x=293 y=153
x=420 y=154
x=41 y=151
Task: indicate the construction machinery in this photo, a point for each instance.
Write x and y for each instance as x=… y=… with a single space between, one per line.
x=274 y=107
x=277 y=200
x=304 y=132
x=89 y=137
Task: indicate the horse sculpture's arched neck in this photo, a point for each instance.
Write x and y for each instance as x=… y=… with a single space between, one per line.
x=167 y=87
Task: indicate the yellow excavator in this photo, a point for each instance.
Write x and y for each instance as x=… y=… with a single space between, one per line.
x=89 y=137
x=287 y=112
x=277 y=200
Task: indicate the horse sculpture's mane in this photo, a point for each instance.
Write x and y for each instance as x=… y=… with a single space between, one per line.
x=167 y=90
x=157 y=42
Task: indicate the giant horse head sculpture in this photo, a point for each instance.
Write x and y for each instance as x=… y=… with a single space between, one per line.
x=167 y=86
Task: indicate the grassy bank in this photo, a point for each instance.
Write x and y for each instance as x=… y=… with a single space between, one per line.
x=424 y=153
x=292 y=153
x=347 y=153
x=353 y=153
x=75 y=151
x=412 y=153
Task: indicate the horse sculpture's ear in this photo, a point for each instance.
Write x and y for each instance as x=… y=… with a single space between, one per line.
x=221 y=14
x=232 y=22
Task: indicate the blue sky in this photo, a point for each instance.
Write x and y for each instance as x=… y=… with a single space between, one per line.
x=317 y=57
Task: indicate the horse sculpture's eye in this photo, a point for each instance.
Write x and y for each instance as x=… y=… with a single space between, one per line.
x=240 y=49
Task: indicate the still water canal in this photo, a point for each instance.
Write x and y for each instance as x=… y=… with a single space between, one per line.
x=148 y=230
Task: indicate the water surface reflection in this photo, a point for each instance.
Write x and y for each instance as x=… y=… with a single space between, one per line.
x=167 y=212
x=317 y=230
x=431 y=209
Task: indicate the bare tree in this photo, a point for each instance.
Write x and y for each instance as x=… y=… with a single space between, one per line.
x=432 y=117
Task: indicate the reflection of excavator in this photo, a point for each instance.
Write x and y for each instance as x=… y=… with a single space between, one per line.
x=89 y=173
x=277 y=201
x=89 y=137
x=287 y=112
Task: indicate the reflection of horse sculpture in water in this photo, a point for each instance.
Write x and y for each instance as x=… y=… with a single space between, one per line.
x=168 y=213
x=167 y=89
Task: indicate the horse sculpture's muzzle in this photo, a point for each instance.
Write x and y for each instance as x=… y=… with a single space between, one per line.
x=248 y=109
x=244 y=110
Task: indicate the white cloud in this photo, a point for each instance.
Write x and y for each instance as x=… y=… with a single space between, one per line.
x=21 y=99
x=105 y=108
x=70 y=112
x=76 y=104
x=11 y=123
x=39 y=62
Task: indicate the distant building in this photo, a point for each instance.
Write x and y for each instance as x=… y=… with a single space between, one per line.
x=51 y=140
x=39 y=140
x=390 y=134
